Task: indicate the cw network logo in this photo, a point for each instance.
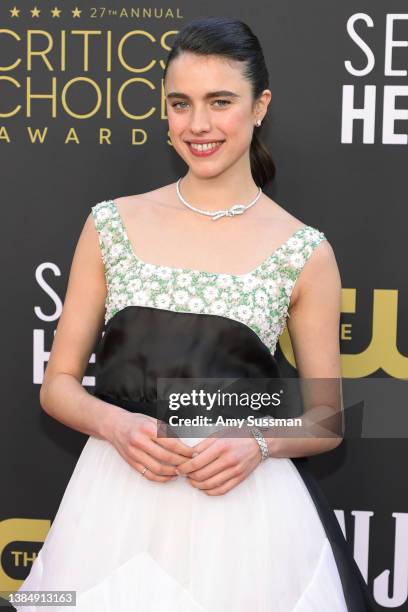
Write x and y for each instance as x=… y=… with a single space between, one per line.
x=381 y=352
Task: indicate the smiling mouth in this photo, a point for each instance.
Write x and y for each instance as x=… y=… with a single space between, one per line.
x=205 y=147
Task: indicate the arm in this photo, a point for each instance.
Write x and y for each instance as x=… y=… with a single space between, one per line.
x=313 y=327
x=62 y=395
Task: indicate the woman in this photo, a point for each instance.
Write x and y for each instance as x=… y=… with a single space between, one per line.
x=144 y=523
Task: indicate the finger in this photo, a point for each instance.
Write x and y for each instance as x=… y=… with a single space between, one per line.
x=149 y=474
x=138 y=454
x=145 y=439
x=220 y=464
x=139 y=467
x=154 y=449
x=218 y=479
x=227 y=486
x=149 y=431
x=203 y=458
x=206 y=443
x=175 y=445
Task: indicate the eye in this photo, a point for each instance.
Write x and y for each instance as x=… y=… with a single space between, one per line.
x=175 y=105
x=224 y=102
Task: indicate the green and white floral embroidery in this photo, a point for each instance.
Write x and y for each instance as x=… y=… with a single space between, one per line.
x=259 y=299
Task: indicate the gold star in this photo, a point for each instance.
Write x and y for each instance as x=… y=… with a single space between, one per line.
x=56 y=12
x=15 y=12
x=35 y=12
x=76 y=12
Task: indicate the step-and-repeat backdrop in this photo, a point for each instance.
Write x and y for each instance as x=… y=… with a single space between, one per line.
x=82 y=119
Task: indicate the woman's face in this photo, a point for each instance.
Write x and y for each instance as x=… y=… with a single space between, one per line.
x=197 y=114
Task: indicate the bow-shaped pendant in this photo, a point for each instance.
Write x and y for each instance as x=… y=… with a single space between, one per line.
x=237 y=209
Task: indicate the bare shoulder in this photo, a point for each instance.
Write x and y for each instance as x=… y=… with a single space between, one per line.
x=320 y=267
x=281 y=221
x=279 y=217
x=152 y=199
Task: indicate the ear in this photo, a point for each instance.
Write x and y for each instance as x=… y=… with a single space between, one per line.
x=262 y=102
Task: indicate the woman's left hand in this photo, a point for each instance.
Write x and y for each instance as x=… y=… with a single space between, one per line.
x=221 y=463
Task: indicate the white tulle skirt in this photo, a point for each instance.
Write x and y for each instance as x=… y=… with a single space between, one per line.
x=125 y=543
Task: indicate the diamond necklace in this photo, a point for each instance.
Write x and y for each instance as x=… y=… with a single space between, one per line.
x=237 y=209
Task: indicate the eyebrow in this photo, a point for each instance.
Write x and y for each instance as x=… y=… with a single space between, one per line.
x=211 y=94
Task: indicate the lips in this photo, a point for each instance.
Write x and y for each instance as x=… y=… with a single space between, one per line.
x=204 y=149
x=203 y=142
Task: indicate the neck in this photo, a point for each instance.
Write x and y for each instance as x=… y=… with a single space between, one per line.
x=218 y=192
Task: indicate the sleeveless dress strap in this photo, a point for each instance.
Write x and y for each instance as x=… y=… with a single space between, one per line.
x=301 y=247
x=294 y=256
x=112 y=241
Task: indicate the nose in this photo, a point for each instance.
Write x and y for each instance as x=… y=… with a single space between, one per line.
x=200 y=120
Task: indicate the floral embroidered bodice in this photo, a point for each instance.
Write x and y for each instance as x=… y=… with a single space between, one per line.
x=259 y=299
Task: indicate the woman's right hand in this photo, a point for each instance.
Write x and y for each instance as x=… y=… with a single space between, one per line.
x=134 y=435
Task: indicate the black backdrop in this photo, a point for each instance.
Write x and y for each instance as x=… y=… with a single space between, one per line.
x=340 y=169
